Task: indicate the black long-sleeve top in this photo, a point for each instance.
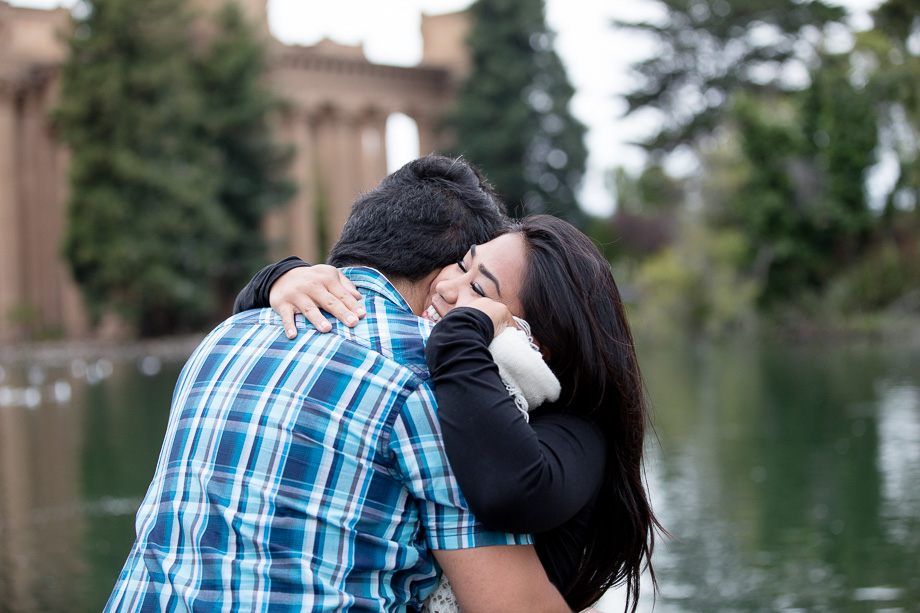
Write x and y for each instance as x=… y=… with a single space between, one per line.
x=256 y=293
x=541 y=477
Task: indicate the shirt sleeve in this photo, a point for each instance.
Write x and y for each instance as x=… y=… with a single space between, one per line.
x=417 y=446
x=256 y=293
x=516 y=476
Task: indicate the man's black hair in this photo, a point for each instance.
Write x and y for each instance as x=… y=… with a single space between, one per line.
x=422 y=217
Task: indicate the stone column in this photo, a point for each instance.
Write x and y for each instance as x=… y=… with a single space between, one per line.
x=74 y=317
x=303 y=230
x=292 y=229
x=10 y=286
x=37 y=272
x=350 y=183
x=338 y=154
x=428 y=134
x=373 y=149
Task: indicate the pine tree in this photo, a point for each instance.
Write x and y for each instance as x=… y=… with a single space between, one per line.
x=708 y=51
x=512 y=117
x=802 y=203
x=172 y=161
x=251 y=179
x=143 y=210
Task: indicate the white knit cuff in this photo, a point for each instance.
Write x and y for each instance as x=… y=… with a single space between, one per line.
x=523 y=371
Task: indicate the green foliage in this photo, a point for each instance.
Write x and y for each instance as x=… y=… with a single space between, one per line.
x=876 y=294
x=512 y=117
x=654 y=190
x=783 y=164
x=236 y=125
x=697 y=284
x=648 y=208
x=891 y=69
x=898 y=20
x=601 y=232
x=161 y=191
x=710 y=50
x=886 y=279
x=725 y=170
x=803 y=205
x=840 y=131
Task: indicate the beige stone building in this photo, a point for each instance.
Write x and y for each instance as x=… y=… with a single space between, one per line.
x=338 y=105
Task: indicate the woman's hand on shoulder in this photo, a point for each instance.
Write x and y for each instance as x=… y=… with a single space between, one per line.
x=307 y=290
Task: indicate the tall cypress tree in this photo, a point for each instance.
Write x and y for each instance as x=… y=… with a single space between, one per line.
x=236 y=124
x=172 y=160
x=512 y=117
x=143 y=212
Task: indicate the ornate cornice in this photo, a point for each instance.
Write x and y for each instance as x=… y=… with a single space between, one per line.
x=306 y=58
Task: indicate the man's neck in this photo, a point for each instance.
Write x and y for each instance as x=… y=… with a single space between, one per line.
x=415 y=293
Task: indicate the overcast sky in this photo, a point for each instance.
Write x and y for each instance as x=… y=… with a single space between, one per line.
x=595 y=54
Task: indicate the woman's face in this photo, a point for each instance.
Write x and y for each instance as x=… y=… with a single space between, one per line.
x=492 y=270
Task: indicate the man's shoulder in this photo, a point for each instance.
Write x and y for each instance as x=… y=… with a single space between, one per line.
x=391 y=331
x=251 y=351
x=389 y=327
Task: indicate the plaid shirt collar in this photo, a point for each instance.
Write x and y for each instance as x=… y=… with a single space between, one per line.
x=375 y=281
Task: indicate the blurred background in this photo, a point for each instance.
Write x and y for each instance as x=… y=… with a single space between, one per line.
x=750 y=170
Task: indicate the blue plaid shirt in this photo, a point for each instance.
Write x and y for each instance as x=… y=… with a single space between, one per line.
x=301 y=475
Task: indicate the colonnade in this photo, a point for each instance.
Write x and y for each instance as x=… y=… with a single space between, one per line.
x=336 y=105
x=36 y=290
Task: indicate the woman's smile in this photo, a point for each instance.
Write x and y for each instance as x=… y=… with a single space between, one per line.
x=492 y=270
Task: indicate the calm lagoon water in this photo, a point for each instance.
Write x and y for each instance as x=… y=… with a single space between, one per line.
x=789 y=477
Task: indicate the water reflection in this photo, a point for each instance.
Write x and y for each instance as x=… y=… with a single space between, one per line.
x=899 y=461
x=78 y=442
x=788 y=475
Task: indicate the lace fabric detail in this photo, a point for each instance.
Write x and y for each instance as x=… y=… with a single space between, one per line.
x=442 y=599
x=524 y=327
x=519 y=401
x=524 y=373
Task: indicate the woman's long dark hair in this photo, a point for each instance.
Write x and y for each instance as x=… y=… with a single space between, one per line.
x=576 y=314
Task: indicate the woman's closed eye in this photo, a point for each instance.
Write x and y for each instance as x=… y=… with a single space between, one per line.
x=477 y=289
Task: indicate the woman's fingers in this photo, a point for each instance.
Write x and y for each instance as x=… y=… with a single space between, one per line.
x=311 y=290
x=346 y=303
x=286 y=310
x=312 y=313
x=342 y=306
x=348 y=285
